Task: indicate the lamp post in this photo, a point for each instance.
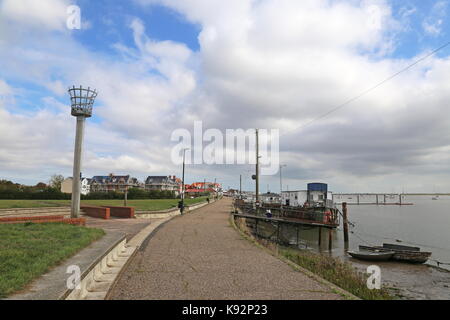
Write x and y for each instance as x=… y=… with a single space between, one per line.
x=281 y=189
x=125 y=196
x=182 y=183
x=281 y=180
x=81 y=100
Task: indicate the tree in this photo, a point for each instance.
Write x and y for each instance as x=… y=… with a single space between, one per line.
x=40 y=186
x=56 y=181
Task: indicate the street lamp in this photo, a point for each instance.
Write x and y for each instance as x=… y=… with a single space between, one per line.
x=281 y=189
x=182 y=179
x=81 y=100
x=281 y=181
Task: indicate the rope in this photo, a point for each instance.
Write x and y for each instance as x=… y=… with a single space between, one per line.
x=354 y=233
x=439 y=262
x=348 y=221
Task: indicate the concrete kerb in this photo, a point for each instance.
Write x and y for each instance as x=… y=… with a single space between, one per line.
x=91 y=273
x=310 y=274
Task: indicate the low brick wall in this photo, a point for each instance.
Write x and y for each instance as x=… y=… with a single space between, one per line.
x=121 y=212
x=44 y=219
x=97 y=212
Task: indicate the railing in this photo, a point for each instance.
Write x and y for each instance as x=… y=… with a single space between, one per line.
x=311 y=214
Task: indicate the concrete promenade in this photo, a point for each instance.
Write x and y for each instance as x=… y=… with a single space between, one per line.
x=199 y=256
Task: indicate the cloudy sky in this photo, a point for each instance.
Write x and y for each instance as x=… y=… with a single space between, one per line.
x=160 y=65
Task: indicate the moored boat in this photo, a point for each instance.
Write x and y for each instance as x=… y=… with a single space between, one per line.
x=401 y=253
x=371 y=255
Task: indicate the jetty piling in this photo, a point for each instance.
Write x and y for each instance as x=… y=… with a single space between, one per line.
x=320 y=237
x=345 y=221
x=330 y=239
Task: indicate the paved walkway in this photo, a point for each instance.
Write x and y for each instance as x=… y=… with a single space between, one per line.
x=130 y=227
x=200 y=256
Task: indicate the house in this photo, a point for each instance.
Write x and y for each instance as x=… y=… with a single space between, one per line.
x=66 y=185
x=163 y=183
x=114 y=183
x=198 y=188
x=317 y=194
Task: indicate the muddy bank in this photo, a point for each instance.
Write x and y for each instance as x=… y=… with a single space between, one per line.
x=410 y=281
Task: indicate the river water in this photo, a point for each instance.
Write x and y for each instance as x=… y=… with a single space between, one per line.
x=425 y=224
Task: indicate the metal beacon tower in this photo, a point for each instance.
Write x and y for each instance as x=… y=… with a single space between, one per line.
x=82 y=101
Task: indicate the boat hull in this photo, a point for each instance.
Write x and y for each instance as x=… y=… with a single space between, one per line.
x=371 y=256
x=411 y=256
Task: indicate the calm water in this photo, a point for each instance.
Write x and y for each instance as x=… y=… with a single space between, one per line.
x=425 y=224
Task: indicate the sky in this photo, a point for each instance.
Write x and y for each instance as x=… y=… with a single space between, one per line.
x=161 y=65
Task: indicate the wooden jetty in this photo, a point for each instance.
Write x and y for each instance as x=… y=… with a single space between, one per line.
x=371 y=199
x=317 y=217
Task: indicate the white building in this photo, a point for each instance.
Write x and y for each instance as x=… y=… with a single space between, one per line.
x=294 y=198
x=66 y=186
x=270 y=198
x=300 y=197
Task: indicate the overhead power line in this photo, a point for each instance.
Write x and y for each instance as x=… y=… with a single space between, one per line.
x=373 y=87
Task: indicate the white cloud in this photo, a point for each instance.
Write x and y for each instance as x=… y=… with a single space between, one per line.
x=136 y=101
x=48 y=14
x=281 y=63
x=433 y=28
x=5 y=89
x=267 y=64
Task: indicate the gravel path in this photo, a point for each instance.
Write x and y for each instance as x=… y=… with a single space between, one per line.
x=200 y=256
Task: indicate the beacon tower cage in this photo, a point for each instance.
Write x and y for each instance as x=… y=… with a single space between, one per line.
x=82 y=101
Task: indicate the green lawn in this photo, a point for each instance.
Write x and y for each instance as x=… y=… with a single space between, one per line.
x=10 y=204
x=29 y=250
x=144 y=205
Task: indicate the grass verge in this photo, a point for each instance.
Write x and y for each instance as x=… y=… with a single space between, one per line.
x=29 y=250
x=141 y=205
x=339 y=272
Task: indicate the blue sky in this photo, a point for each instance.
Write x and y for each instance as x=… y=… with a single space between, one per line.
x=415 y=38
x=108 y=21
x=162 y=64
